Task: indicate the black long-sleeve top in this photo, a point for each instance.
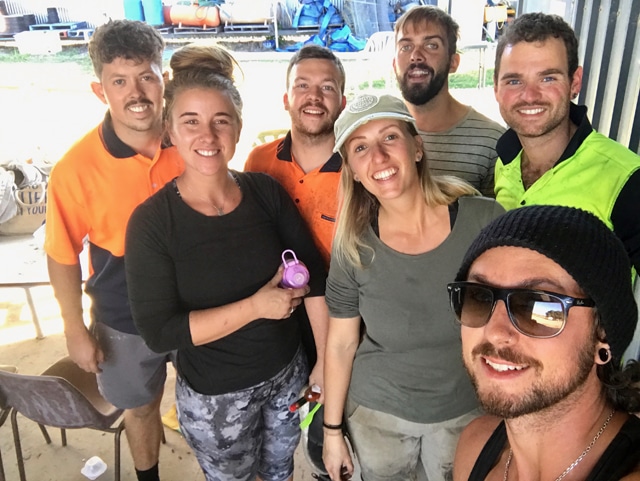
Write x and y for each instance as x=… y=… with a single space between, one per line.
x=178 y=260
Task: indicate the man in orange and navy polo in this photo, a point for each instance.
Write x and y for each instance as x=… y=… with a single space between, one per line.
x=304 y=162
x=92 y=192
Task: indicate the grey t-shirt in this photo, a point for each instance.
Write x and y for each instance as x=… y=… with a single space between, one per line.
x=409 y=363
x=468 y=151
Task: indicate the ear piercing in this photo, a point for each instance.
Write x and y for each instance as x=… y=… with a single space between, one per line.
x=604 y=355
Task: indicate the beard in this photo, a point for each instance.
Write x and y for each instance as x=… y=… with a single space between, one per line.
x=541 y=395
x=320 y=130
x=420 y=94
x=311 y=130
x=531 y=130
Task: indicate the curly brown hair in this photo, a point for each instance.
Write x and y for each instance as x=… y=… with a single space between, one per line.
x=128 y=39
x=538 y=27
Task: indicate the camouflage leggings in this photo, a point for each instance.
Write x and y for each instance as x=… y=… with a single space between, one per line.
x=245 y=433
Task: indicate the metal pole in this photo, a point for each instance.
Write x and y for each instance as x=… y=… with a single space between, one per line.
x=274 y=6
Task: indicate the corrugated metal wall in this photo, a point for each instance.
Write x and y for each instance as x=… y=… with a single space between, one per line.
x=609 y=35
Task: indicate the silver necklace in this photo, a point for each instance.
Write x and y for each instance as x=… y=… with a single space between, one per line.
x=577 y=461
x=219 y=210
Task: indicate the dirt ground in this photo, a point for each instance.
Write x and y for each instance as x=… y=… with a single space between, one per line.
x=22 y=258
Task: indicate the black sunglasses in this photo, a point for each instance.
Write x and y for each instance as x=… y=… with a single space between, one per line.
x=537 y=314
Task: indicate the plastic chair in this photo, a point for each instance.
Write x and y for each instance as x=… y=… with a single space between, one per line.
x=380 y=42
x=268 y=136
x=65 y=397
x=378 y=53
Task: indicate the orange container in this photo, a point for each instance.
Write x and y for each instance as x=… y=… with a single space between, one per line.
x=193 y=15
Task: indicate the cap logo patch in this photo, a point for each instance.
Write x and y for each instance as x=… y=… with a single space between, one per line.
x=363 y=103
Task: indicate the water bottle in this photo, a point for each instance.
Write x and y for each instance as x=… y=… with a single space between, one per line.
x=295 y=273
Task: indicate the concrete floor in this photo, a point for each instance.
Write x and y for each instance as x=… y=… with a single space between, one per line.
x=19 y=347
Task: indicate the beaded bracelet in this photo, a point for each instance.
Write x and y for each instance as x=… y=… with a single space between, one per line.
x=332 y=426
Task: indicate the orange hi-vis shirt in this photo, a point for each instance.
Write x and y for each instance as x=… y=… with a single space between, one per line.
x=92 y=192
x=314 y=193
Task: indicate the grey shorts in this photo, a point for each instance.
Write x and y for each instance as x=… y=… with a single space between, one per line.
x=245 y=433
x=389 y=448
x=132 y=374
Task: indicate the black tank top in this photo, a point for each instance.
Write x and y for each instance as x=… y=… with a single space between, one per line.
x=619 y=459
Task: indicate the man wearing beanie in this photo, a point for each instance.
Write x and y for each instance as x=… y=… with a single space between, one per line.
x=544 y=323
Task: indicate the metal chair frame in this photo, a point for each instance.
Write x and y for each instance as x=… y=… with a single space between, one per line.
x=79 y=405
x=4 y=414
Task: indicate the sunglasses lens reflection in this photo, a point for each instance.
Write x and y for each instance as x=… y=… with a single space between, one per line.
x=537 y=314
x=534 y=313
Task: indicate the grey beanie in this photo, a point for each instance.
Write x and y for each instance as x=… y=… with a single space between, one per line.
x=584 y=246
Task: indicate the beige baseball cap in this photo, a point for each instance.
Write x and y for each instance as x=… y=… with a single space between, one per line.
x=365 y=108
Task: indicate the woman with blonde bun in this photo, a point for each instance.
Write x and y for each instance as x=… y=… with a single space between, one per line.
x=203 y=271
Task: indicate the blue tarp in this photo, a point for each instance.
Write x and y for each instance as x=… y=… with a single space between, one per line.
x=324 y=14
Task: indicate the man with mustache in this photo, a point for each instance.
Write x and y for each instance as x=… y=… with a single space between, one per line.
x=306 y=166
x=545 y=302
x=92 y=192
x=551 y=154
x=457 y=139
